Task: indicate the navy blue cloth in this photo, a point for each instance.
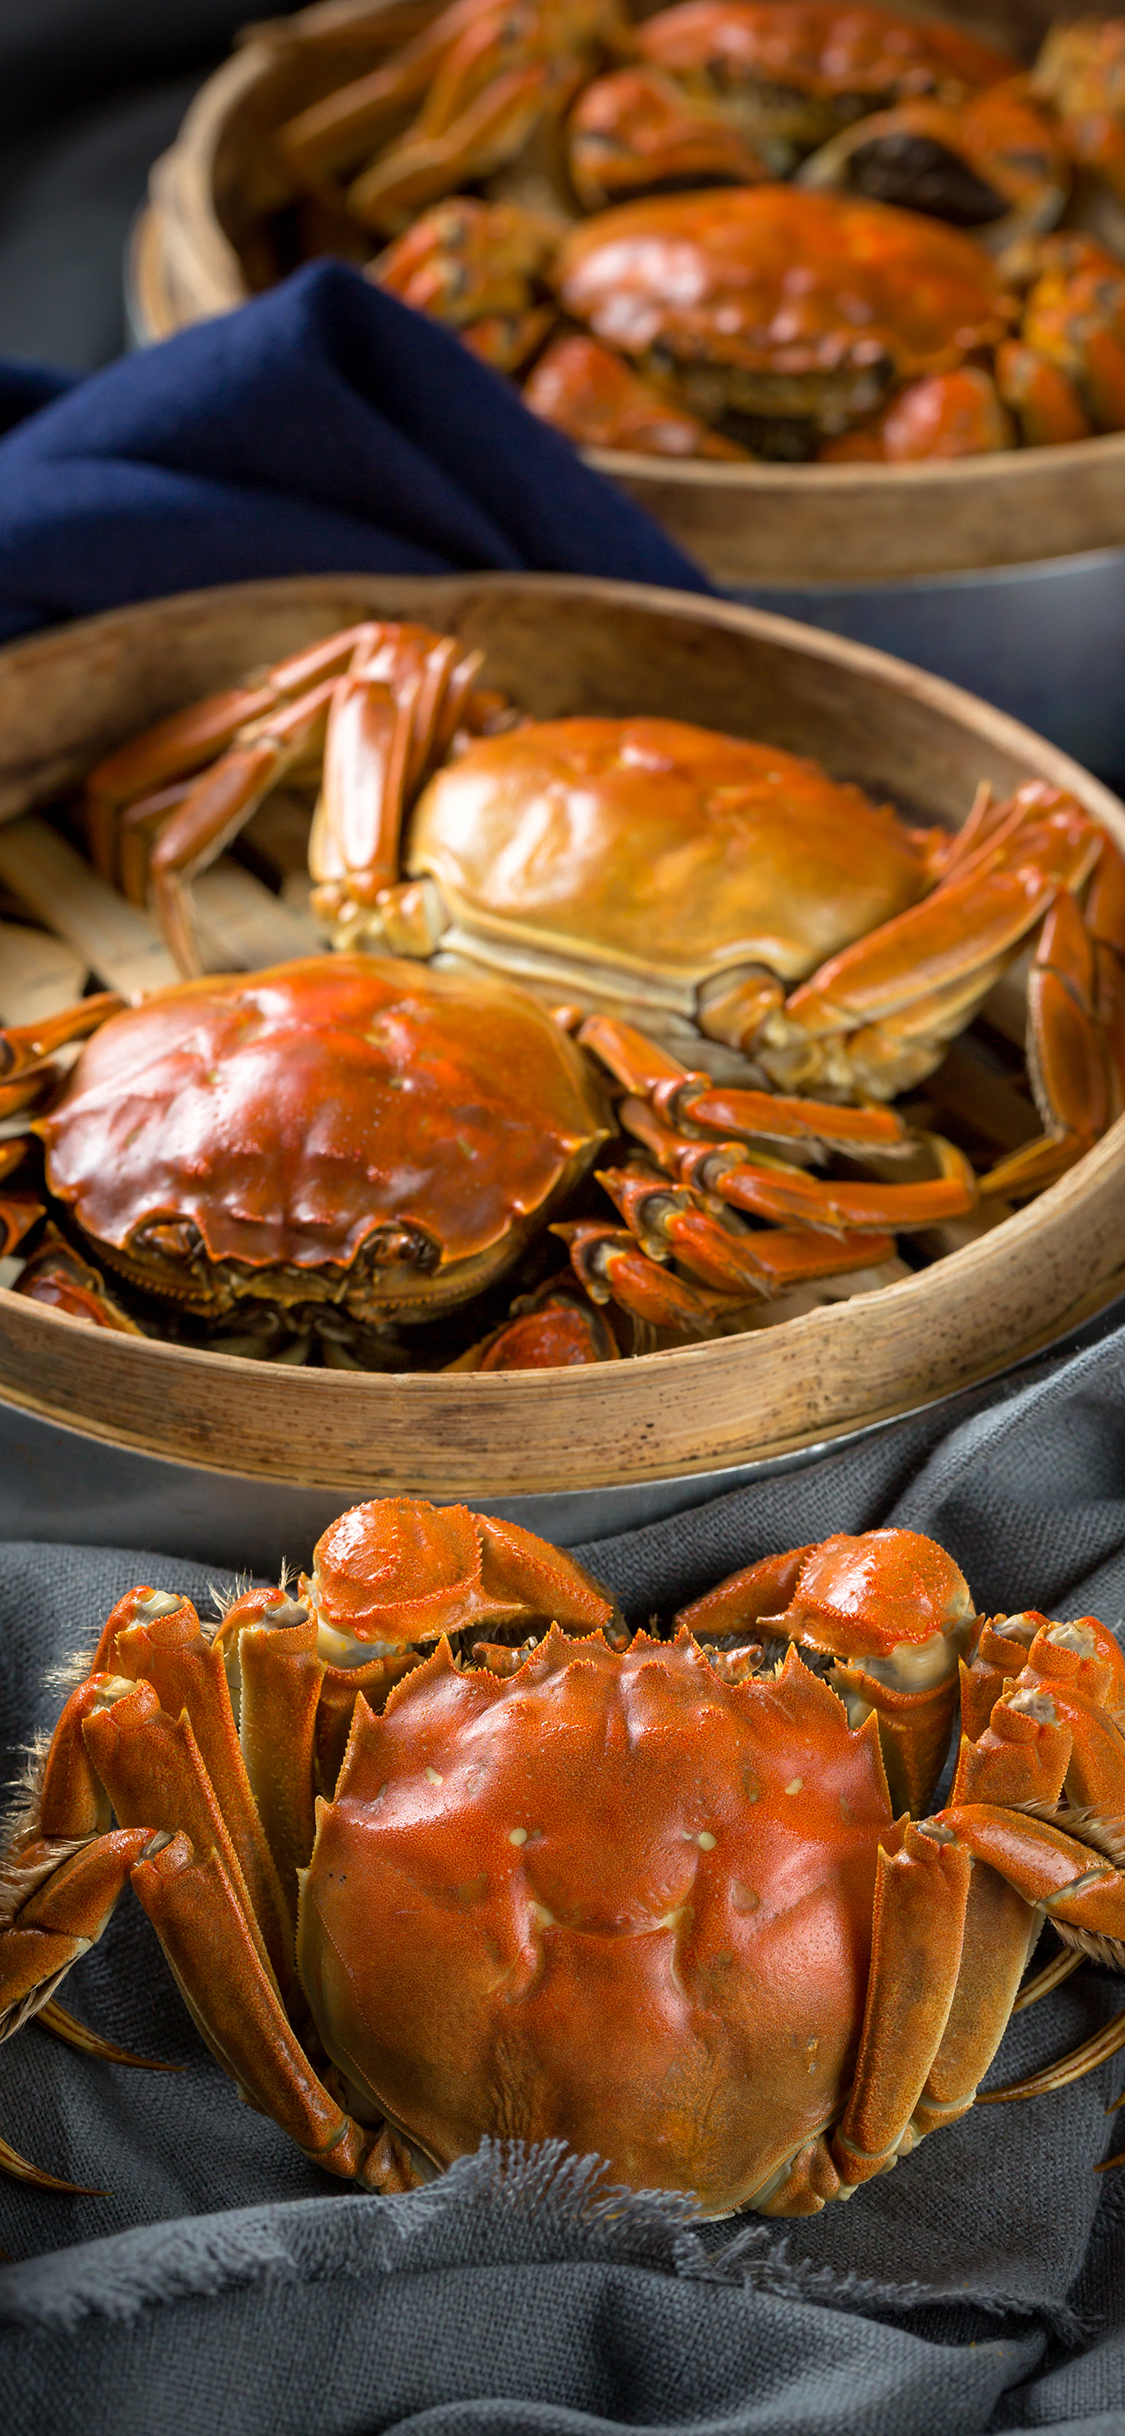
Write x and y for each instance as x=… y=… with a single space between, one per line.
x=324 y=428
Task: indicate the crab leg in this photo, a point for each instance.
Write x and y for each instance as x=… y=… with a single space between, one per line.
x=188 y=1677
x=235 y=2005
x=391 y=719
x=609 y=1263
x=491 y=129
x=221 y=803
x=334 y=134
x=761 y=1183
x=18 y=1211
x=876 y=1016
x=1075 y=1032
x=56 y=1276
x=773 y=1188
x=720 y=1251
x=921 y=1899
x=59 y=1922
x=1076 y=1673
x=1021 y=1757
x=189 y=739
x=1105 y=921
x=24 y=1048
x=681 y=1098
x=281 y=1680
x=921 y=1932
x=28 y=1091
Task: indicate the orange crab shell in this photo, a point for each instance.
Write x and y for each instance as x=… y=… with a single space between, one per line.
x=659 y=849
x=778 y=279
x=680 y=1973
x=282 y=1121
x=817 y=47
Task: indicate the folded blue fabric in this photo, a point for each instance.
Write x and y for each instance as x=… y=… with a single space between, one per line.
x=325 y=427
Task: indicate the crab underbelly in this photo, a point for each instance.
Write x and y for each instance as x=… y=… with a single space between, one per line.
x=692 y=2055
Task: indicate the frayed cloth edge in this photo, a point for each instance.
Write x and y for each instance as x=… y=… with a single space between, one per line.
x=531 y=2205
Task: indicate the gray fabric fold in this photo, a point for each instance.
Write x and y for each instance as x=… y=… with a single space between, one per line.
x=980 y=2286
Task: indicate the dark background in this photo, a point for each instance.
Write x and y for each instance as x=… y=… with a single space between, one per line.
x=90 y=92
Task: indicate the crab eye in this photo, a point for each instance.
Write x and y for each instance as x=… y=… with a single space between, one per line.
x=395 y=1246
x=173 y=1238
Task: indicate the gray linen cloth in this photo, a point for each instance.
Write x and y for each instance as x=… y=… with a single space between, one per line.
x=221 y=2281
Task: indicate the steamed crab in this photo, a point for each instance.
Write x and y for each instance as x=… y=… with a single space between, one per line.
x=650 y=870
x=770 y=308
x=434 y=1851
x=344 y=1147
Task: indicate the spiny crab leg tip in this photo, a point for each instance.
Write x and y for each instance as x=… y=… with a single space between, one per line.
x=62 y=2025
x=22 y=2170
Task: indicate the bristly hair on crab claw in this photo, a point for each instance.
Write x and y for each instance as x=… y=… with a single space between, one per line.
x=675 y=1899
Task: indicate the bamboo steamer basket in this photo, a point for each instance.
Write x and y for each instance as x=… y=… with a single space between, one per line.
x=201 y=249
x=559 y=644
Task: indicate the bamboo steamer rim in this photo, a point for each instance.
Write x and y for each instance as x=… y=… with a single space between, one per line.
x=701 y=1407
x=754 y=523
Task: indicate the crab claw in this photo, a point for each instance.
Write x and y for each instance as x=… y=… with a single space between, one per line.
x=995 y=163
x=894 y=1614
x=25 y=1048
x=559 y=1332
x=609 y=1262
x=638 y=131
x=595 y=397
x=56 y=1275
x=399 y=1573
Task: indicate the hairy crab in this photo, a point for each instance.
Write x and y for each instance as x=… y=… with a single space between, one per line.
x=796 y=73
x=344 y=1147
x=434 y=1851
x=780 y=314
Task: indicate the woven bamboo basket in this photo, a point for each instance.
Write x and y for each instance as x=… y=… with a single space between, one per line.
x=203 y=246
x=559 y=645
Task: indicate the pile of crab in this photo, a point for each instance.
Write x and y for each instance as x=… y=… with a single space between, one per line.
x=616 y=993
x=776 y=228
x=436 y=1851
